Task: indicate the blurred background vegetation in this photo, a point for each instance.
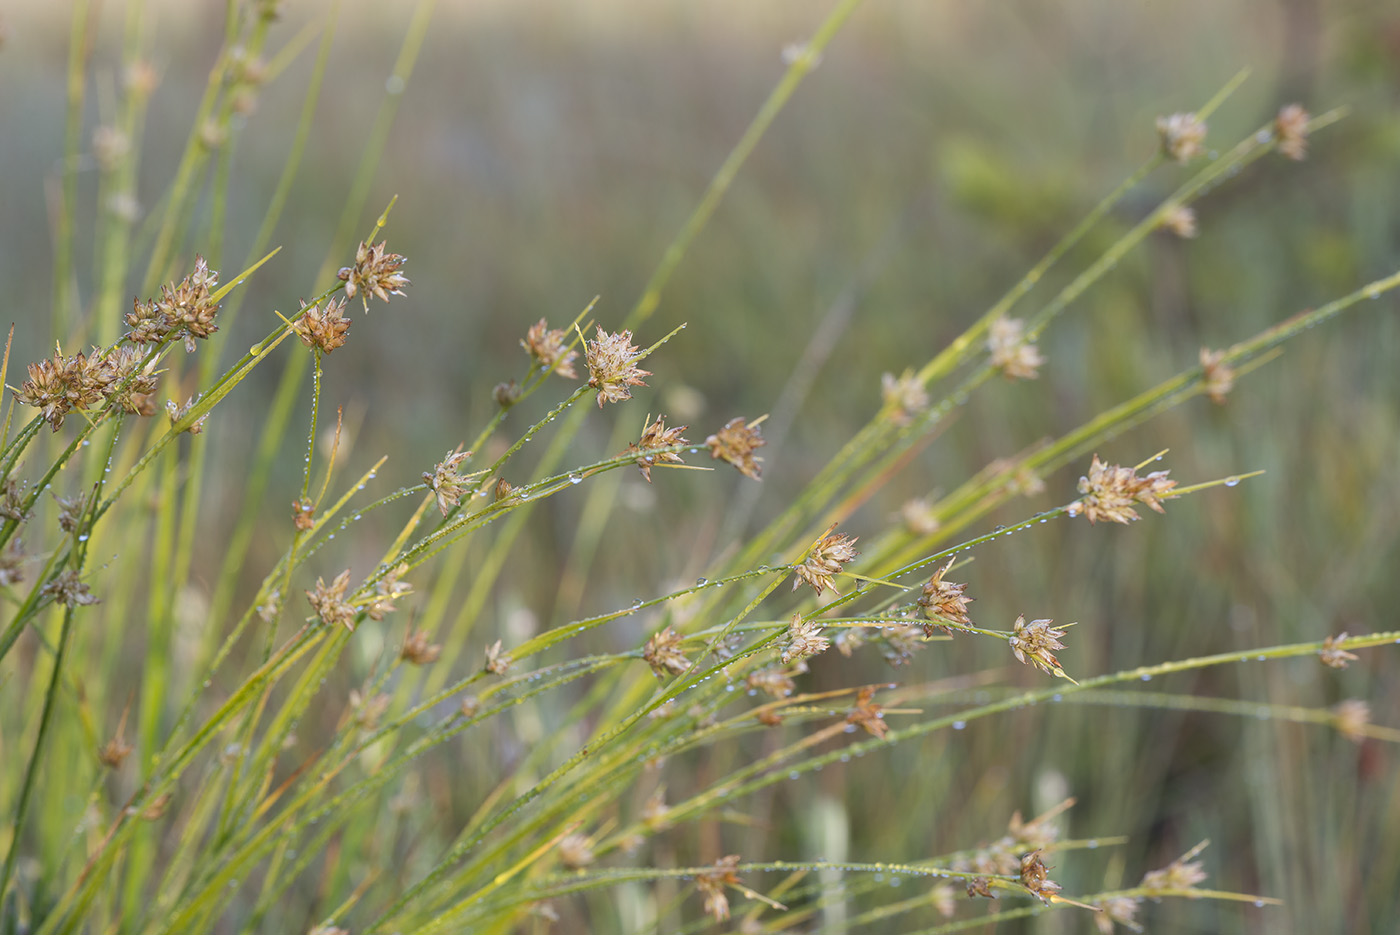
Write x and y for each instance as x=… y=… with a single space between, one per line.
x=546 y=152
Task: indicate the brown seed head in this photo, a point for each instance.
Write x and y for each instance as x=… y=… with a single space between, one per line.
x=575 y=851
x=712 y=883
x=328 y=600
x=1111 y=490
x=774 y=680
x=824 y=562
x=1332 y=653
x=418 y=649
x=919 y=517
x=1219 y=378
x=612 y=368
x=1011 y=351
x=365 y=711
x=303 y=513
x=803 y=639
x=657 y=435
x=12 y=562
x=548 y=348
x=1033 y=644
x=1182 y=135
x=736 y=443
x=323 y=326
x=868 y=715
x=904 y=396
x=1180 y=874
x=1291 y=131
x=901 y=643
x=61 y=384
x=848 y=640
x=185 y=309
x=1120 y=909
x=110 y=145
x=663 y=653
x=497 y=662
x=943 y=602
x=68 y=589
x=1351 y=718
x=12 y=501
x=980 y=886
x=177 y=413
x=1181 y=221
x=375 y=273
x=1035 y=877
x=446 y=484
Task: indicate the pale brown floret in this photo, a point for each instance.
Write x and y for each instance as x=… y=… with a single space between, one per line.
x=904 y=396
x=132 y=381
x=656 y=435
x=1183 y=136
x=1111 y=490
x=12 y=562
x=1291 y=132
x=303 y=513
x=1332 y=653
x=1035 y=877
x=1181 y=221
x=736 y=443
x=824 y=562
x=63 y=384
x=1012 y=352
x=1120 y=909
x=664 y=655
x=1033 y=644
x=446 y=484
x=775 y=680
x=328 y=600
x=497 y=662
x=868 y=715
x=901 y=643
x=110 y=145
x=366 y=711
x=116 y=750
x=177 y=413
x=848 y=640
x=712 y=883
x=1351 y=718
x=1219 y=378
x=941 y=898
x=803 y=640
x=418 y=649
x=612 y=366
x=185 y=309
x=548 y=348
x=1180 y=874
x=943 y=602
x=919 y=517
x=575 y=851
x=980 y=886
x=12 y=500
x=376 y=273
x=323 y=325
x=67 y=588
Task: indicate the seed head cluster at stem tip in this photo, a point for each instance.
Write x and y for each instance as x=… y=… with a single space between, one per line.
x=656 y=435
x=612 y=367
x=547 y=348
x=825 y=560
x=375 y=273
x=736 y=443
x=1111 y=490
x=1033 y=644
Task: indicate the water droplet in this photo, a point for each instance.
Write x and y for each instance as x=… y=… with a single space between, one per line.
x=794 y=774
x=1372 y=294
x=1091 y=844
x=1259 y=904
x=702 y=581
x=1057 y=697
x=1146 y=677
x=959 y=725
x=575 y=479
x=83 y=537
x=1232 y=481
x=636 y=602
x=1263 y=136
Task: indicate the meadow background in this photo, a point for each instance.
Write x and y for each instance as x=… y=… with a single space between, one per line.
x=545 y=153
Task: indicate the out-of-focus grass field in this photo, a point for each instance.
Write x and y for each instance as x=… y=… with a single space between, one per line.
x=545 y=153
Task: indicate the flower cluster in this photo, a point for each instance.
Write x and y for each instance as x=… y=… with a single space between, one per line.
x=904 y=396
x=328 y=600
x=802 y=640
x=1110 y=492
x=62 y=384
x=1033 y=644
x=185 y=309
x=445 y=483
x=1291 y=132
x=1181 y=221
x=612 y=366
x=547 y=348
x=1012 y=352
x=656 y=435
x=736 y=443
x=824 y=562
x=1183 y=136
x=664 y=655
x=1180 y=874
x=712 y=883
x=868 y=715
x=323 y=325
x=943 y=602
x=1219 y=377
x=1332 y=653
x=376 y=273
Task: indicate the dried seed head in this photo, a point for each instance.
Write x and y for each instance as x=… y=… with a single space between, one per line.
x=1033 y=644
x=328 y=600
x=68 y=589
x=736 y=443
x=774 y=680
x=1182 y=135
x=849 y=639
x=303 y=513
x=1110 y=492
x=943 y=602
x=941 y=897
x=1035 y=877
x=1120 y=909
x=712 y=883
x=504 y=489
x=71 y=511
x=803 y=640
x=663 y=653
x=12 y=562
x=901 y=643
x=446 y=484
x=177 y=413
x=549 y=350
x=506 y=393
x=824 y=561
x=132 y=383
x=656 y=435
x=655 y=811
x=612 y=368
x=1219 y=378
x=868 y=715
x=904 y=396
x=365 y=712
x=497 y=662
x=184 y=310
x=156 y=810
x=418 y=649
x=980 y=886
x=116 y=750
x=110 y=145
x=1351 y=718
x=376 y=273
x=61 y=384
x=1332 y=653
x=323 y=326
x=12 y=498
x=1181 y=221
x=1012 y=352
x=919 y=517
x=140 y=79
x=1291 y=131
x=1180 y=874
x=575 y=851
